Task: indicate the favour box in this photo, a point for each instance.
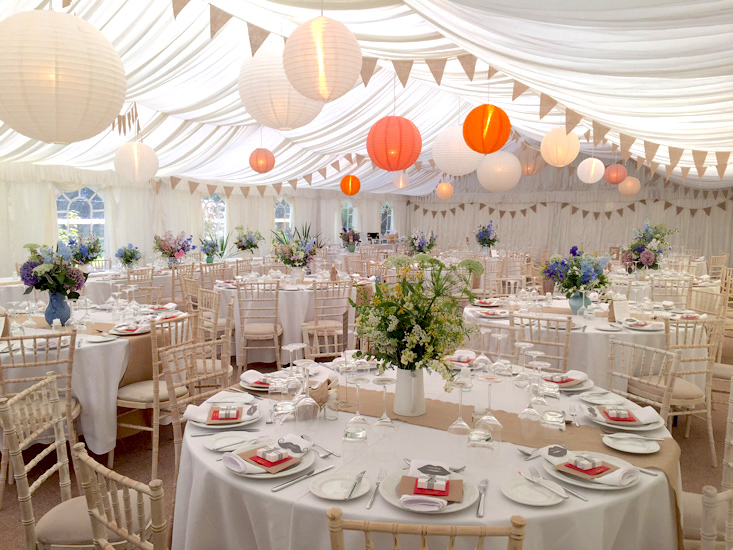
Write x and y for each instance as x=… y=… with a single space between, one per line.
x=557 y=378
x=586 y=462
x=434 y=483
x=616 y=412
x=273 y=454
x=225 y=415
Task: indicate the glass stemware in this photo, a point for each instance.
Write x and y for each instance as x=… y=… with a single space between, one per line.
x=582 y=308
x=523 y=347
x=488 y=423
x=499 y=337
x=357 y=378
x=384 y=420
x=306 y=408
x=343 y=368
x=459 y=426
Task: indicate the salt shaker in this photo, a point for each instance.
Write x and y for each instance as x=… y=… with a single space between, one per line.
x=56 y=325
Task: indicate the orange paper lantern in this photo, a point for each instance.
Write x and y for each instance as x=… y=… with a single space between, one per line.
x=486 y=129
x=350 y=185
x=262 y=160
x=394 y=143
x=615 y=174
x=444 y=190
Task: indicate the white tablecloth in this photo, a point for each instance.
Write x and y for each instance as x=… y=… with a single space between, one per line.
x=216 y=509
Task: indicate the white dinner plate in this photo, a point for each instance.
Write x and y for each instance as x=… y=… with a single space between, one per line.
x=388 y=491
x=99 y=338
x=609 y=328
x=632 y=445
x=4 y=347
x=607 y=398
x=252 y=420
x=572 y=480
x=227 y=440
x=577 y=326
x=583 y=386
x=308 y=459
x=522 y=491
x=253 y=388
x=338 y=486
x=145 y=330
x=488 y=303
x=498 y=314
x=647 y=328
x=616 y=426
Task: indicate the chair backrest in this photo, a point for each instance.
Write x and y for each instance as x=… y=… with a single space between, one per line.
x=505 y=286
x=493 y=270
x=149 y=295
x=142 y=276
x=499 y=348
x=210 y=273
x=703 y=301
x=514 y=266
x=209 y=302
x=356 y=264
x=266 y=267
x=675 y=290
x=700 y=339
x=651 y=368
x=679 y=262
x=181 y=330
x=178 y=272
x=337 y=525
x=190 y=288
x=551 y=333
x=331 y=300
x=376 y=270
x=24 y=417
x=258 y=303
x=101 y=264
x=243 y=265
x=114 y=501
x=717 y=265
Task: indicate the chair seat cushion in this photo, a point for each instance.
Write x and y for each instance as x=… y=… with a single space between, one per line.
x=254 y=330
x=200 y=369
x=683 y=389
x=722 y=370
x=324 y=324
x=69 y=523
x=692 y=516
x=143 y=391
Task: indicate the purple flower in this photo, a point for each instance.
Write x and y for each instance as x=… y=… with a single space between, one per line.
x=26 y=273
x=647 y=258
x=627 y=258
x=575 y=252
x=78 y=277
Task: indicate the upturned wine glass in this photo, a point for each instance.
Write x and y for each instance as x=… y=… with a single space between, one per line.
x=459 y=426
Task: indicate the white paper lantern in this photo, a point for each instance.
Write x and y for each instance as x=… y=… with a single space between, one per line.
x=62 y=80
x=629 y=187
x=591 y=170
x=444 y=190
x=452 y=155
x=136 y=162
x=499 y=171
x=322 y=59
x=268 y=96
x=401 y=179
x=558 y=148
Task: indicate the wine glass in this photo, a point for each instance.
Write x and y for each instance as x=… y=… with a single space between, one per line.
x=343 y=368
x=356 y=376
x=534 y=354
x=384 y=420
x=306 y=408
x=523 y=347
x=290 y=348
x=499 y=337
x=582 y=308
x=460 y=427
x=488 y=422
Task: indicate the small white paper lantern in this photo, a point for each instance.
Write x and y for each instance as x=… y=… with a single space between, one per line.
x=558 y=148
x=452 y=155
x=629 y=187
x=401 y=179
x=136 y=162
x=322 y=59
x=62 y=80
x=267 y=94
x=499 y=171
x=591 y=170
x=444 y=190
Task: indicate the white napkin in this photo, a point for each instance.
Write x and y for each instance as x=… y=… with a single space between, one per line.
x=577 y=375
x=620 y=478
x=199 y=413
x=645 y=415
x=667 y=303
x=123 y=327
x=196 y=413
x=321 y=375
x=237 y=464
x=287 y=441
x=417 y=464
x=545 y=452
x=251 y=376
x=462 y=353
x=422 y=503
x=482 y=360
x=230 y=397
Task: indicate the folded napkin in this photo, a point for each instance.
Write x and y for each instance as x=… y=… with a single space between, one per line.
x=645 y=415
x=667 y=303
x=252 y=376
x=577 y=375
x=230 y=397
x=169 y=305
x=422 y=503
x=196 y=413
x=200 y=413
x=556 y=455
x=295 y=445
x=482 y=360
x=132 y=328
x=421 y=467
x=237 y=464
x=462 y=356
x=620 y=478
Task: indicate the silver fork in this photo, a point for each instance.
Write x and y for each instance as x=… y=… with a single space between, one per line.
x=533 y=471
x=380 y=477
x=574 y=413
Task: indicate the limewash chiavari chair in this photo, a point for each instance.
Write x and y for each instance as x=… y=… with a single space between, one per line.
x=194 y=256
x=268 y=266
x=710 y=303
x=551 y=333
x=498 y=349
x=675 y=290
x=36 y=355
x=723 y=372
x=493 y=269
x=337 y=525
x=327 y=334
x=505 y=286
x=208 y=303
x=148 y=295
x=377 y=270
x=692 y=252
x=153 y=394
x=101 y=264
x=681 y=263
x=210 y=273
x=190 y=291
x=178 y=273
x=355 y=264
x=242 y=266
x=258 y=319
x=717 y=265
x=142 y=276
x=112 y=509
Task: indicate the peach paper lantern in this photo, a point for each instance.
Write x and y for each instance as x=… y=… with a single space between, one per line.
x=262 y=160
x=394 y=143
x=350 y=185
x=401 y=179
x=444 y=190
x=629 y=187
x=615 y=174
x=558 y=148
x=486 y=129
x=531 y=161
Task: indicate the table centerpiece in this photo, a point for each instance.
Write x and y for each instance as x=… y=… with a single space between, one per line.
x=215 y=248
x=421 y=241
x=128 y=255
x=247 y=240
x=646 y=250
x=173 y=247
x=486 y=236
x=577 y=274
x=412 y=325
x=84 y=250
x=350 y=238
x=295 y=248
x=53 y=271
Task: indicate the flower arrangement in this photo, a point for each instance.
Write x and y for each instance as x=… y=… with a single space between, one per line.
x=486 y=235
x=397 y=261
x=173 y=246
x=248 y=240
x=128 y=255
x=578 y=272
x=85 y=249
x=350 y=236
x=648 y=246
x=474 y=267
x=415 y=323
x=209 y=246
x=51 y=270
x=421 y=241
x=296 y=249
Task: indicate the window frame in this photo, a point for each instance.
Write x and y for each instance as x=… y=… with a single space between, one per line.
x=96 y=219
x=350 y=215
x=220 y=221
x=390 y=228
x=283 y=223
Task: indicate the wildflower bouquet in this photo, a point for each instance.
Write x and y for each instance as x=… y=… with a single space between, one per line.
x=350 y=236
x=51 y=270
x=128 y=255
x=486 y=235
x=209 y=246
x=173 y=246
x=578 y=272
x=295 y=249
x=85 y=249
x=248 y=240
x=648 y=246
x=421 y=241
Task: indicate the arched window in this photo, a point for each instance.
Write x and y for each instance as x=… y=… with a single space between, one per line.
x=215 y=216
x=80 y=213
x=387 y=224
x=347 y=215
x=283 y=215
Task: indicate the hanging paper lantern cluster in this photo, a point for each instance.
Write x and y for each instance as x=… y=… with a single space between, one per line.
x=401 y=179
x=452 y=155
x=394 y=143
x=499 y=171
x=530 y=161
x=267 y=94
x=136 y=162
x=486 y=129
x=629 y=187
x=444 y=190
x=590 y=170
x=558 y=148
x=350 y=185
x=615 y=174
x=62 y=80
x=262 y=160
x=322 y=59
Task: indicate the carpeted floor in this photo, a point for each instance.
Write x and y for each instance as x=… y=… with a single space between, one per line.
x=133 y=456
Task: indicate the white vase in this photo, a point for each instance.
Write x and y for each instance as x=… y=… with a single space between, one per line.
x=486 y=250
x=409 y=398
x=297 y=273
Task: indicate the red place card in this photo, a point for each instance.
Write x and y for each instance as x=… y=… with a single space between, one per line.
x=591 y=472
x=432 y=492
x=561 y=382
x=266 y=463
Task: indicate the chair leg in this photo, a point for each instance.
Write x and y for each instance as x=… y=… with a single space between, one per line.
x=244 y=356
x=276 y=341
x=711 y=439
x=156 y=441
x=111 y=459
x=3 y=474
x=688 y=425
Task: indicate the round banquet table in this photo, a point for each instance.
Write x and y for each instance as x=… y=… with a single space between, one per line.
x=640 y=290
x=215 y=508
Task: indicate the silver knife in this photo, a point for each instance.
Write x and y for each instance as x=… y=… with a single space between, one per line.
x=353 y=487
x=300 y=478
x=482 y=487
x=560 y=492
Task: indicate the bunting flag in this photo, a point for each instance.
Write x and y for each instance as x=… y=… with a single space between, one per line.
x=675 y=154
x=418 y=165
x=699 y=158
x=453 y=211
x=468 y=62
x=324 y=172
x=178 y=5
x=175 y=181
x=368 y=66
x=705 y=194
x=277 y=187
x=443 y=213
x=685 y=171
x=228 y=190
x=667 y=205
x=212 y=190
x=490 y=73
x=261 y=190
x=585 y=213
x=65 y=3
x=513 y=213
x=654 y=166
x=480 y=207
x=308 y=179
x=217 y=19
x=156 y=186
x=546 y=105
x=596 y=214
x=626 y=142
x=462 y=206
x=632 y=207
x=614 y=147
x=518 y=90
x=722 y=158
x=336 y=166
x=722 y=206
x=693 y=211
x=668 y=172
x=437 y=67
x=574 y=209
x=432 y=163
x=192 y=185
x=587 y=136
x=257 y=36
x=572 y=119
x=293 y=183
x=707 y=210
x=640 y=162
x=599 y=132
x=245 y=191
x=416 y=207
x=434 y=214
x=608 y=215
x=402 y=68
x=349 y=158
x=679 y=209
x=533 y=208
x=491 y=210
x=650 y=150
